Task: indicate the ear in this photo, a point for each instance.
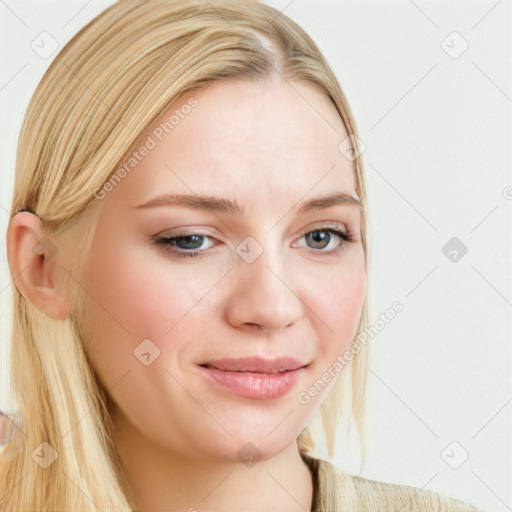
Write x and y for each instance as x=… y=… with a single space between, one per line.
x=35 y=267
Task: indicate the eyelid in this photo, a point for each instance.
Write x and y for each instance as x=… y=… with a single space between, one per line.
x=339 y=226
x=183 y=233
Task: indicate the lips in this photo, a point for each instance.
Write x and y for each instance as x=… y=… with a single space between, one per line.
x=254 y=377
x=255 y=365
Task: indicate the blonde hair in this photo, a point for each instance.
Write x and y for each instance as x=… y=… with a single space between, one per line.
x=106 y=87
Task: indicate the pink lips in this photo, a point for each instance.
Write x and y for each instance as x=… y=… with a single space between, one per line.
x=254 y=377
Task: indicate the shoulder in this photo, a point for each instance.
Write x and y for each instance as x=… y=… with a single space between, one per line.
x=374 y=495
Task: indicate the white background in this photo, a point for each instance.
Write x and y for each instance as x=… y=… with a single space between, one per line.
x=437 y=131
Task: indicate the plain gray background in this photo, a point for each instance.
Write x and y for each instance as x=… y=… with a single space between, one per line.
x=430 y=86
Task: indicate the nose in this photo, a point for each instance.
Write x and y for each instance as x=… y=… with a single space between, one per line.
x=263 y=296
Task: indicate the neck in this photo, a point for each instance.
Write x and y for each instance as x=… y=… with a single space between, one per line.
x=164 y=480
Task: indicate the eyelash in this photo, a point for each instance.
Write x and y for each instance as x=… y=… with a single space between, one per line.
x=167 y=242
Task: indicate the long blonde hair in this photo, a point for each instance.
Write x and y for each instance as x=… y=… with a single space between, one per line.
x=104 y=89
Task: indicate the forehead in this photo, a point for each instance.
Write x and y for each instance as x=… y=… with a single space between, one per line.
x=257 y=142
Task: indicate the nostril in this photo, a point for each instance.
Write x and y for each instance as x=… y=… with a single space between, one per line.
x=254 y=325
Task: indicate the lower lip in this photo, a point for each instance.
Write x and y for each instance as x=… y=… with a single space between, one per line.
x=260 y=386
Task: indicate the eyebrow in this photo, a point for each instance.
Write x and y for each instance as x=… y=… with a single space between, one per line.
x=223 y=205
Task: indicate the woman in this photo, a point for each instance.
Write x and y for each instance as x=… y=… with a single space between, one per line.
x=190 y=252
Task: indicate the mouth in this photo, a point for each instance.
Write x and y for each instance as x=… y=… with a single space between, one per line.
x=255 y=377
x=256 y=365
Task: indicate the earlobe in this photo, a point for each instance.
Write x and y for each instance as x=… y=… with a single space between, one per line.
x=33 y=260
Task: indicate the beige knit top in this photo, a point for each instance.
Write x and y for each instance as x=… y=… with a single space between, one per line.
x=337 y=491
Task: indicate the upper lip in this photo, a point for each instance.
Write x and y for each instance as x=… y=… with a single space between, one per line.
x=256 y=364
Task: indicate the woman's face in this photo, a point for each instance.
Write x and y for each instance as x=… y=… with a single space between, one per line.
x=252 y=272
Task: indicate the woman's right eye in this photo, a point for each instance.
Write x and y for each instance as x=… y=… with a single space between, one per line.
x=188 y=244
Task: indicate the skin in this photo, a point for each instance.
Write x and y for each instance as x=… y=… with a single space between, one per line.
x=271 y=147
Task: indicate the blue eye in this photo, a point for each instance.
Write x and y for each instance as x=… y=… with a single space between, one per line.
x=189 y=245
x=189 y=241
x=321 y=238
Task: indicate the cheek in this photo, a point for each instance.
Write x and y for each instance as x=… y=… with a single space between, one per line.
x=159 y=299
x=335 y=304
x=136 y=293
x=134 y=298
x=334 y=309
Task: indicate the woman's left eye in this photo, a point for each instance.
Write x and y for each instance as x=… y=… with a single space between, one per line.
x=321 y=238
x=192 y=244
